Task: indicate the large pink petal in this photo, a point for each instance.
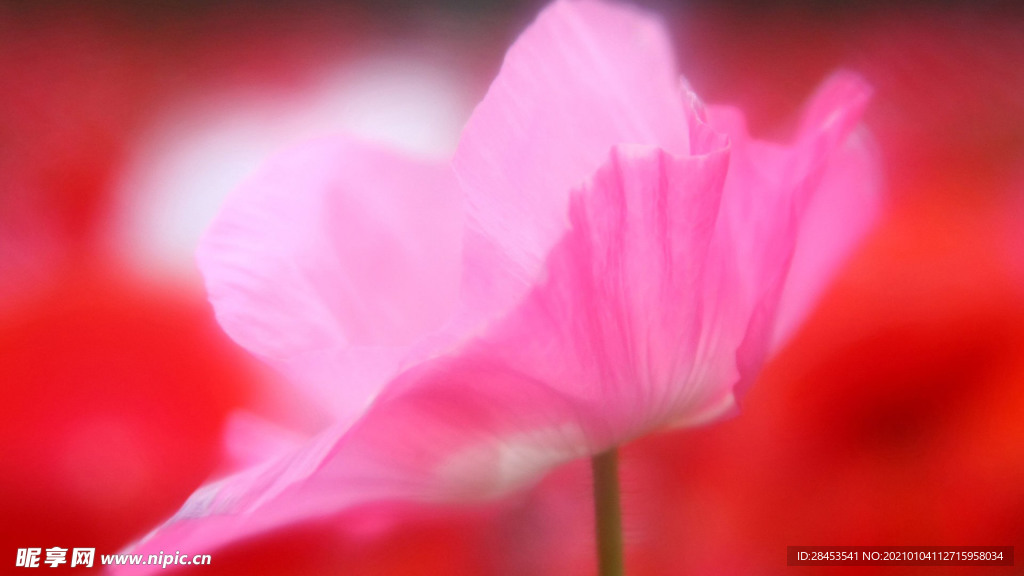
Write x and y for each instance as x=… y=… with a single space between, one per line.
x=618 y=321
x=605 y=349
x=585 y=76
x=331 y=260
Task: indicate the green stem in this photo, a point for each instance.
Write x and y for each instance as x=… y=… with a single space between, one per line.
x=608 y=513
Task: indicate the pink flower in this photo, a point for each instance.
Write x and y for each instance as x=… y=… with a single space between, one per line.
x=600 y=260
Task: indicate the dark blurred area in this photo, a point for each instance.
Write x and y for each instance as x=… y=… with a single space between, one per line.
x=895 y=417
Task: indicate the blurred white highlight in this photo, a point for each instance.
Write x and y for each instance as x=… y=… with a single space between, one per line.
x=196 y=154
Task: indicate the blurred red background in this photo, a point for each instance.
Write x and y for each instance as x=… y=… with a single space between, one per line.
x=895 y=417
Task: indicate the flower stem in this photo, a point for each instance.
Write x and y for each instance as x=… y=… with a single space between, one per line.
x=608 y=513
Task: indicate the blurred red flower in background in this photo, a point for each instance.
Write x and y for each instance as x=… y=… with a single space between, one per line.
x=894 y=417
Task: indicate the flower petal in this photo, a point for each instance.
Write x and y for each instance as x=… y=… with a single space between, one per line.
x=618 y=321
x=766 y=202
x=256 y=500
x=605 y=348
x=330 y=260
x=250 y=440
x=841 y=213
x=585 y=76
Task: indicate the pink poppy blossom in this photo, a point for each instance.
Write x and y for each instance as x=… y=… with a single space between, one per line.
x=601 y=259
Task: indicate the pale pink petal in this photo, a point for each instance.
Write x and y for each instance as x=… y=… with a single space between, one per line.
x=256 y=500
x=603 y=350
x=618 y=320
x=845 y=207
x=452 y=430
x=251 y=440
x=585 y=76
x=765 y=204
x=331 y=259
